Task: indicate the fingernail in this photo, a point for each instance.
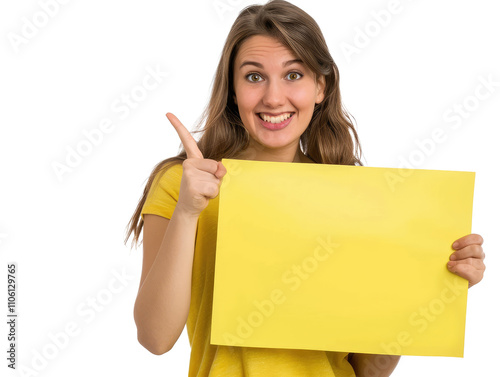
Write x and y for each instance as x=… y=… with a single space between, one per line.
x=453 y=257
x=449 y=265
x=455 y=245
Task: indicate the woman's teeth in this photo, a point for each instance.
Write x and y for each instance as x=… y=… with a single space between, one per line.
x=277 y=119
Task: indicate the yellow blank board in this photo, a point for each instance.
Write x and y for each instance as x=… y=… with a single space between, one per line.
x=340 y=258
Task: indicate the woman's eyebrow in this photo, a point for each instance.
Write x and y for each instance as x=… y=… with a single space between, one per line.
x=257 y=64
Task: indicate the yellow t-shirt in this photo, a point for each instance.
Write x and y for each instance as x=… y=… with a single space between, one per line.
x=230 y=361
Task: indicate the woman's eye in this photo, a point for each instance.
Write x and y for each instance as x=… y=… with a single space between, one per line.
x=294 y=75
x=251 y=75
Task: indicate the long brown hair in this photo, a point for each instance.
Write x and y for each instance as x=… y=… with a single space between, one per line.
x=330 y=137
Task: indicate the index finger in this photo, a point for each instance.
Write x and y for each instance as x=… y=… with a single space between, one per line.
x=187 y=139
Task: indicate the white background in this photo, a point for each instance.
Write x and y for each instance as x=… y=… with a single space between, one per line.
x=66 y=233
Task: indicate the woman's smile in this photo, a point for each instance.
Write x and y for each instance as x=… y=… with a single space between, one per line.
x=275 y=123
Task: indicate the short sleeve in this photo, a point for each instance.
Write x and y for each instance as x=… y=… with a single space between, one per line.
x=164 y=193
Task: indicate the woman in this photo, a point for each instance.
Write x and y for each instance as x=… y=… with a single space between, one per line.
x=275 y=98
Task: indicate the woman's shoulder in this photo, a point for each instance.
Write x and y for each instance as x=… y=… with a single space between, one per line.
x=172 y=172
x=169 y=175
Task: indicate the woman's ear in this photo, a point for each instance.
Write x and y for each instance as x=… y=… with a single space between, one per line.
x=320 y=92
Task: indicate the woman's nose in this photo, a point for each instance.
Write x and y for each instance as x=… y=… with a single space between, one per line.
x=274 y=95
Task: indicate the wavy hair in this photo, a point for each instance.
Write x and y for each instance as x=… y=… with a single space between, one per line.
x=330 y=137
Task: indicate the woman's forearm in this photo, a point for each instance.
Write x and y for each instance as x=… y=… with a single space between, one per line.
x=163 y=301
x=373 y=365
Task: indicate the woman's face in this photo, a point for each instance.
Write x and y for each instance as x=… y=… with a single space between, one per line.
x=267 y=81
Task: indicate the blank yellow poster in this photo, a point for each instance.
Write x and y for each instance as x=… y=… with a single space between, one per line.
x=340 y=258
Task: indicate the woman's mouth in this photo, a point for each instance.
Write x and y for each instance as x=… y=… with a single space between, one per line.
x=275 y=123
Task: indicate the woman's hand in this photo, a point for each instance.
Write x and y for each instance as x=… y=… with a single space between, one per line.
x=201 y=177
x=467 y=260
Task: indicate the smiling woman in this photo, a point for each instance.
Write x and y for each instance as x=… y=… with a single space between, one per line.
x=275 y=97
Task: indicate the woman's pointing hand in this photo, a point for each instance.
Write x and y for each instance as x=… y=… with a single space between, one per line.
x=201 y=177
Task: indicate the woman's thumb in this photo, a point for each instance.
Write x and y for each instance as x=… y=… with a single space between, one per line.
x=221 y=170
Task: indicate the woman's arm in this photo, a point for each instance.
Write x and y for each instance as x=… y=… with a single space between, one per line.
x=162 y=303
x=373 y=365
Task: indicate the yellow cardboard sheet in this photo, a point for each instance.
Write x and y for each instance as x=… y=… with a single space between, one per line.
x=340 y=258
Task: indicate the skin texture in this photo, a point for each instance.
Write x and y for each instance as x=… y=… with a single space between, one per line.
x=271 y=88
